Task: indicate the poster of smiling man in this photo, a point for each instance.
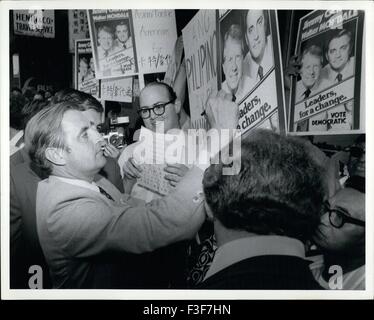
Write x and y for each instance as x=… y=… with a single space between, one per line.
x=111 y=33
x=326 y=95
x=250 y=67
x=85 y=78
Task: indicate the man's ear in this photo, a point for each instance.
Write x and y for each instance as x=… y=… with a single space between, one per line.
x=56 y=156
x=208 y=211
x=177 y=106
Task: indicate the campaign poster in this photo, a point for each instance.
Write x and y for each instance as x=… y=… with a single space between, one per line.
x=35 y=23
x=78 y=27
x=155 y=36
x=85 y=77
x=250 y=68
x=200 y=47
x=112 y=38
x=325 y=97
x=117 y=89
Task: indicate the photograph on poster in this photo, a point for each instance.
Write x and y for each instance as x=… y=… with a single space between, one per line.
x=162 y=160
x=111 y=34
x=85 y=79
x=249 y=69
x=327 y=91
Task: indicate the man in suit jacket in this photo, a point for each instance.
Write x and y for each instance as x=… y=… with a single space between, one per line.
x=24 y=178
x=264 y=215
x=83 y=221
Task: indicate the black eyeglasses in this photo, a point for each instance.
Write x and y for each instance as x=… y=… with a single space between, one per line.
x=158 y=110
x=339 y=216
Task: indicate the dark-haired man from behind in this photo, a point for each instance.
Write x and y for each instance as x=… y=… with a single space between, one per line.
x=264 y=215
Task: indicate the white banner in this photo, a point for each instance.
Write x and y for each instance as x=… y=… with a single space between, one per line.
x=155 y=36
x=35 y=23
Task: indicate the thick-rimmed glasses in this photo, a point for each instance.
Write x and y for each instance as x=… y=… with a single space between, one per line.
x=158 y=109
x=339 y=216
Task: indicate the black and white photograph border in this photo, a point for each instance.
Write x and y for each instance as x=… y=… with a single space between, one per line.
x=180 y=294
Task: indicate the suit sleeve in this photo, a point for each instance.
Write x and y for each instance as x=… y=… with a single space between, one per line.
x=90 y=227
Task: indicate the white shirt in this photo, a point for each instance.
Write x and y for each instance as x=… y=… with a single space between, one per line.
x=250 y=66
x=330 y=74
x=248 y=247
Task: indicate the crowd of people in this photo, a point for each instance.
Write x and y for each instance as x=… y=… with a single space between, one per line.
x=286 y=219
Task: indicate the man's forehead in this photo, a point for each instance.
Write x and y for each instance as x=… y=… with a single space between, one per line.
x=232 y=45
x=352 y=201
x=308 y=58
x=253 y=16
x=339 y=40
x=154 y=94
x=74 y=120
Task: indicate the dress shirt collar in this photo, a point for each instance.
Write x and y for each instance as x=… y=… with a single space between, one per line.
x=80 y=183
x=266 y=63
x=346 y=72
x=248 y=247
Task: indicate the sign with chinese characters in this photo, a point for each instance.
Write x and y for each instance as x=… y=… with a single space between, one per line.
x=35 y=23
x=155 y=36
x=78 y=27
x=119 y=89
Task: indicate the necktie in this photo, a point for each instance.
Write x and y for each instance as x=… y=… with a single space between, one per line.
x=307 y=93
x=339 y=77
x=102 y=191
x=260 y=72
x=233 y=99
x=106 y=53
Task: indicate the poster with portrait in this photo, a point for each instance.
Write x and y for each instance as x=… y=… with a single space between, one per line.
x=200 y=47
x=85 y=79
x=250 y=68
x=112 y=38
x=325 y=97
x=155 y=36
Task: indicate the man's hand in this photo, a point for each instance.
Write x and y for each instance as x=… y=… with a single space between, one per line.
x=111 y=151
x=175 y=173
x=221 y=112
x=131 y=170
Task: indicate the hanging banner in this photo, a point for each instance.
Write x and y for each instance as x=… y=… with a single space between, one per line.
x=155 y=36
x=326 y=95
x=119 y=89
x=78 y=27
x=111 y=33
x=35 y=23
x=200 y=47
x=251 y=68
x=85 y=79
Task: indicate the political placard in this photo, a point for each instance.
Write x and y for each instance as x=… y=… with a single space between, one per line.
x=326 y=95
x=111 y=33
x=85 y=78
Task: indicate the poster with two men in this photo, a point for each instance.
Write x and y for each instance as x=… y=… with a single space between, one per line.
x=326 y=96
x=238 y=55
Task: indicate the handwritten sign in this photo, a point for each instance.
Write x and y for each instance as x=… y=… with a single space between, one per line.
x=119 y=89
x=35 y=23
x=78 y=27
x=200 y=47
x=155 y=36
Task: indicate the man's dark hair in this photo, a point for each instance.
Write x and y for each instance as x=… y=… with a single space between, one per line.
x=336 y=34
x=44 y=130
x=78 y=97
x=16 y=104
x=278 y=191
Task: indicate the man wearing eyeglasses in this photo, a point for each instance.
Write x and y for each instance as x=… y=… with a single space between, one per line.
x=341 y=238
x=159 y=109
